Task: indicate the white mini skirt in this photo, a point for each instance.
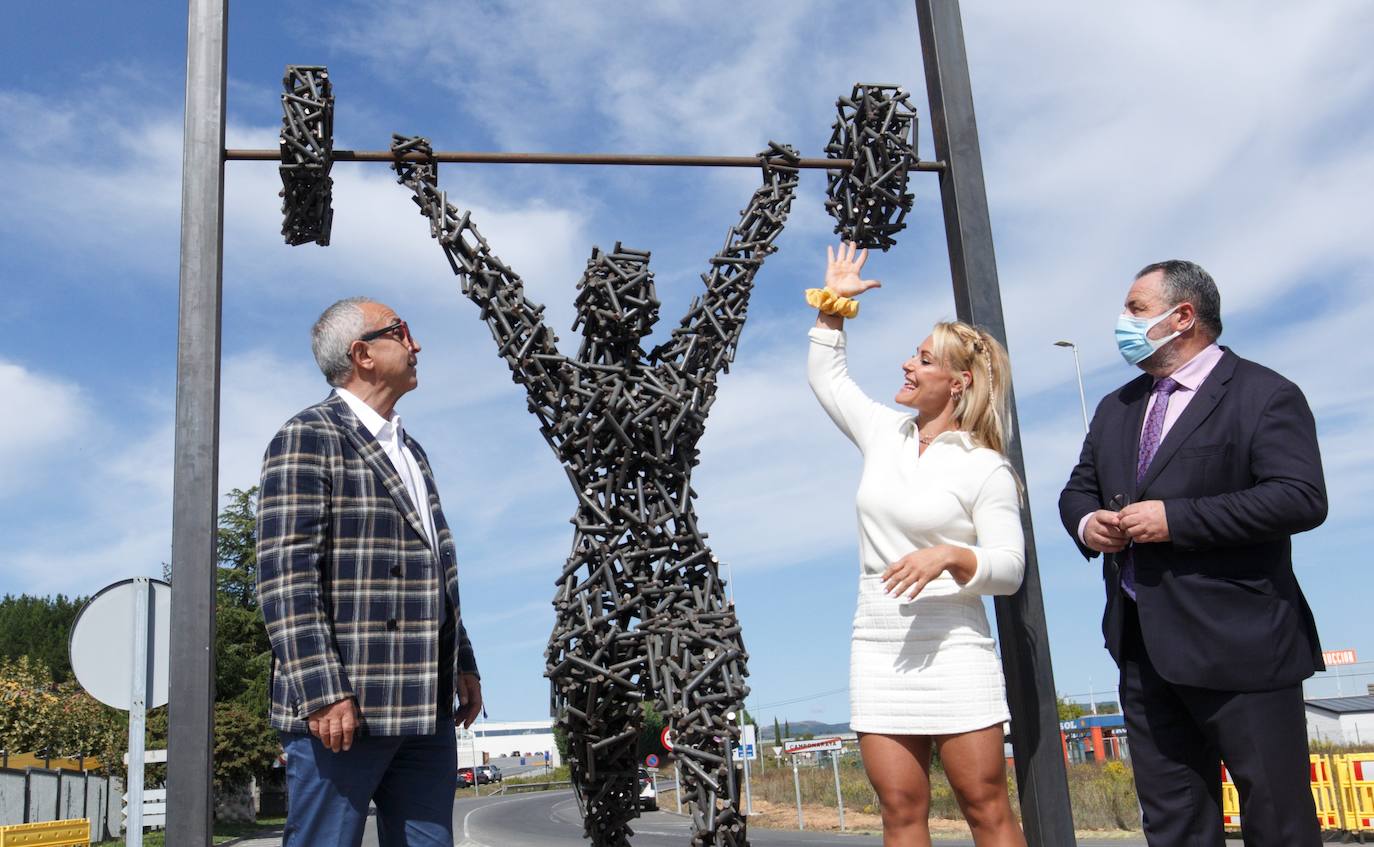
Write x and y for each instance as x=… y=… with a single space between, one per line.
x=923 y=667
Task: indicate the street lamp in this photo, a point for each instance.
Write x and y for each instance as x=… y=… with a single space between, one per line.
x=1082 y=400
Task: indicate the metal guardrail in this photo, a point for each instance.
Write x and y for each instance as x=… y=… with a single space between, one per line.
x=513 y=787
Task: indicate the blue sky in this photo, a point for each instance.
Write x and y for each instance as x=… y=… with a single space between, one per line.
x=1235 y=135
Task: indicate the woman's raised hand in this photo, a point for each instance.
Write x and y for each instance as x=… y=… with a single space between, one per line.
x=842 y=270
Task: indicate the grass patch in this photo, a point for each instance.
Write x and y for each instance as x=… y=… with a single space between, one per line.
x=222 y=832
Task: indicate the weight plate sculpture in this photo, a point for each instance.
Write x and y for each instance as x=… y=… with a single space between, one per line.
x=307 y=154
x=641 y=610
x=876 y=128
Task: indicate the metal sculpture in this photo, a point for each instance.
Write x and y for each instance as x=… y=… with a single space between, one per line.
x=876 y=128
x=307 y=154
x=641 y=609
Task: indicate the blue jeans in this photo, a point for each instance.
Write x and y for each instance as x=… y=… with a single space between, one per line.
x=412 y=780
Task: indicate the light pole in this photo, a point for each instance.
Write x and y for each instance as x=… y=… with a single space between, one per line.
x=1078 y=369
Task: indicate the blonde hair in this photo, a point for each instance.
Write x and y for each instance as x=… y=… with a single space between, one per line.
x=982 y=408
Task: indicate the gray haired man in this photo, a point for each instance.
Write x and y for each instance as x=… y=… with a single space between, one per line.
x=358 y=583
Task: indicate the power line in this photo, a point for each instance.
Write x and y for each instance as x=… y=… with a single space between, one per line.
x=802 y=699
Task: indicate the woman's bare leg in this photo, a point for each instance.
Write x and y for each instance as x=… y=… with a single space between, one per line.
x=899 y=768
x=977 y=771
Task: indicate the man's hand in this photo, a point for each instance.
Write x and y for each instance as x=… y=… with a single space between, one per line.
x=334 y=725
x=1103 y=532
x=469 y=698
x=1145 y=522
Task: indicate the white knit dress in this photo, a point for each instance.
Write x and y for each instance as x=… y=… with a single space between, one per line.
x=925 y=666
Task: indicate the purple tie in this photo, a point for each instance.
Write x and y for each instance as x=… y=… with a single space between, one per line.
x=1149 y=445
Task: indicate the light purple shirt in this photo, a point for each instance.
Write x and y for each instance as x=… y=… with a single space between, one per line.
x=1189 y=378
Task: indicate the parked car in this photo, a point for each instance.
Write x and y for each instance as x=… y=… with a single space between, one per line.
x=648 y=797
x=488 y=773
x=465 y=777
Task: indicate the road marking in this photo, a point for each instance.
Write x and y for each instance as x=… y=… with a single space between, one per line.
x=467 y=836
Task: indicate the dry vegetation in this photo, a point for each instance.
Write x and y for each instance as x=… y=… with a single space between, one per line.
x=1103 y=798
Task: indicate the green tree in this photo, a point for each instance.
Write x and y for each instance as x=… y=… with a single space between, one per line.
x=777 y=733
x=1070 y=711
x=650 y=735
x=39 y=628
x=40 y=716
x=245 y=744
x=786 y=729
x=560 y=740
x=237 y=549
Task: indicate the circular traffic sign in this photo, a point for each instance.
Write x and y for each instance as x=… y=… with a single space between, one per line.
x=667 y=739
x=102 y=640
x=651 y=761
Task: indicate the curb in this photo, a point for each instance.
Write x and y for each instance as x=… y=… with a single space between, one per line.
x=256 y=836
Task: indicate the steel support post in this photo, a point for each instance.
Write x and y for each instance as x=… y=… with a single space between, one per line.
x=196 y=472
x=1040 y=773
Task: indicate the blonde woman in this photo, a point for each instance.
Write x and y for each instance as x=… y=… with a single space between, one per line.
x=939 y=525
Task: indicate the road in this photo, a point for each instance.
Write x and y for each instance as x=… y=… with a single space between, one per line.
x=551 y=819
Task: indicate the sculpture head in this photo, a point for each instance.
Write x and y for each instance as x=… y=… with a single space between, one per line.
x=616 y=306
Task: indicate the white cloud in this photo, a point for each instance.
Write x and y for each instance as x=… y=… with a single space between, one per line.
x=45 y=415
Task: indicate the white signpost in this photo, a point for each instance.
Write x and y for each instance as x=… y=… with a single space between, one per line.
x=745 y=750
x=816 y=745
x=1336 y=658
x=119 y=649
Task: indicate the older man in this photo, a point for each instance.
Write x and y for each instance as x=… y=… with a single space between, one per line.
x=1193 y=478
x=358 y=583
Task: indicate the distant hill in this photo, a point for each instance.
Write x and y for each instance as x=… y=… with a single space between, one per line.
x=800 y=728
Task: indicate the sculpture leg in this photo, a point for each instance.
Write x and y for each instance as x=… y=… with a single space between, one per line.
x=594 y=663
x=701 y=684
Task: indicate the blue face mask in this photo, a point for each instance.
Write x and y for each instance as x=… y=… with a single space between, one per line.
x=1133 y=340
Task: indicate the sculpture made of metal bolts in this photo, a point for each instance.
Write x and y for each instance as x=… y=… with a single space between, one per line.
x=641 y=610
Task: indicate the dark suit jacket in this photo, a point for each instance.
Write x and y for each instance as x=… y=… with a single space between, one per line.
x=1239 y=473
x=347 y=583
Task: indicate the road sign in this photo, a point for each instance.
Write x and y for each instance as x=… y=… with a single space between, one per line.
x=815 y=745
x=151 y=757
x=667 y=739
x=103 y=632
x=651 y=761
x=746 y=749
x=119 y=654
x=1338 y=657
x=154 y=807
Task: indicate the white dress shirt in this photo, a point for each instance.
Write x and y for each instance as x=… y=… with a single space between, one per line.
x=391 y=435
x=1189 y=377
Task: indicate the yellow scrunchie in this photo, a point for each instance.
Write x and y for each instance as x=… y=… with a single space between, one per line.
x=831 y=303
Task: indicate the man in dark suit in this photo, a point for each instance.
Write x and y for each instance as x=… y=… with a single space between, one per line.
x=358 y=583
x=1192 y=480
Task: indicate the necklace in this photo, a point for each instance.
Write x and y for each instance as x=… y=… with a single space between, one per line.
x=927 y=439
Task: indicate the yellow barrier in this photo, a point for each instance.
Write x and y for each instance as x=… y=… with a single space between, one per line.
x=1325 y=792
x=1230 y=802
x=67 y=833
x=1342 y=791
x=1355 y=773
x=19 y=761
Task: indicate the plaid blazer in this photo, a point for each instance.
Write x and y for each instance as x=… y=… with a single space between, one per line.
x=347 y=583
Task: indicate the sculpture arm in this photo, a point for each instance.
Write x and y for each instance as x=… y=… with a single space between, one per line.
x=704 y=344
x=522 y=338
